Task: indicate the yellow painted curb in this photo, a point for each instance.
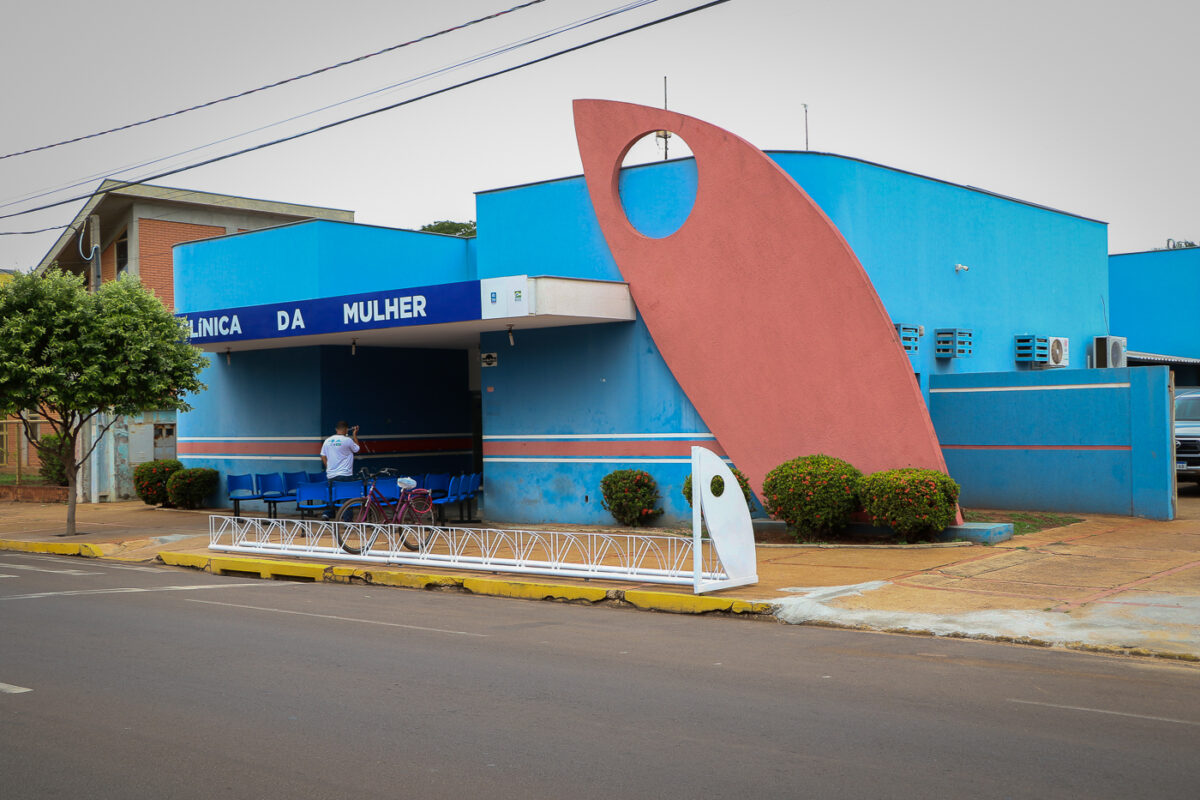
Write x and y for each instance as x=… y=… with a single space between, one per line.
x=267 y=568
x=344 y=574
x=690 y=603
x=193 y=560
x=51 y=548
x=533 y=591
x=748 y=607
x=411 y=580
x=98 y=550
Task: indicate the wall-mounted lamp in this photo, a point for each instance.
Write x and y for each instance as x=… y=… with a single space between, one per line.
x=353 y=346
x=511 y=343
x=961 y=268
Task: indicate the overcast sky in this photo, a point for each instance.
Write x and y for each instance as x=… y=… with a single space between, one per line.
x=1087 y=107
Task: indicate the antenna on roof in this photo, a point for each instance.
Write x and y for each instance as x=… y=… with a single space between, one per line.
x=664 y=135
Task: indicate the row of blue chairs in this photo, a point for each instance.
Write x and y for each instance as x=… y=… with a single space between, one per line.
x=270 y=487
x=462 y=489
x=312 y=492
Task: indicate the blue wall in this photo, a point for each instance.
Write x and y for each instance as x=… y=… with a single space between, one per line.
x=602 y=385
x=1032 y=269
x=314 y=259
x=268 y=410
x=1149 y=294
x=1095 y=441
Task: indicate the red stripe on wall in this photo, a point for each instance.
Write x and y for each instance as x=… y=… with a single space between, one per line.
x=596 y=448
x=249 y=448
x=1036 y=447
x=314 y=448
x=415 y=445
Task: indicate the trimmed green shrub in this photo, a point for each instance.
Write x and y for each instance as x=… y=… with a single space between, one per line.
x=912 y=502
x=51 y=469
x=631 y=496
x=718 y=486
x=150 y=480
x=188 y=488
x=812 y=494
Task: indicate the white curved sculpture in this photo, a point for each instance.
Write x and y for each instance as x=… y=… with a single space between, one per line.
x=728 y=520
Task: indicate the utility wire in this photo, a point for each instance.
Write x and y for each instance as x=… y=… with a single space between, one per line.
x=257 y=89
x=39 y=230
x=365 y=114
x=446 y=69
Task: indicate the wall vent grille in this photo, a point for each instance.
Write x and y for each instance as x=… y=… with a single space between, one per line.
x=953 y=343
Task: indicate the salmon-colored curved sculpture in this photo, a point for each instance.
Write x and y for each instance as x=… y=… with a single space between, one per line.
x=758 y=306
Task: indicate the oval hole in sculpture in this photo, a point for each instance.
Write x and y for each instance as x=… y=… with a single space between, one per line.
x=658 y=195
x=717 y=486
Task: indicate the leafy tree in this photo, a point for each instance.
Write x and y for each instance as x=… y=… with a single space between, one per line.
x=464 y=229
x=70 y=355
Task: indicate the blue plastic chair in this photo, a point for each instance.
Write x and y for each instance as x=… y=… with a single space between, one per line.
x=316 y=477
x=312 y=497
x=389 y=488
x=273 y=491
x=438 y=485
x=467 y=495
x=239 y=488
x=345 y=490
x=293 y=479
x=451 y=496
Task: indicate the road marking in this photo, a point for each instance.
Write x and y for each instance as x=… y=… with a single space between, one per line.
x=97 y=564
x=133 y=589
x=51 y=571
x=8 y=688
x=1106 y=711
x=342 y=619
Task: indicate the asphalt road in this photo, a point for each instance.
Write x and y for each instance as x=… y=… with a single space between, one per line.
x=148 y=682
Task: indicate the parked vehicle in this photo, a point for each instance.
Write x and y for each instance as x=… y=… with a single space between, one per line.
x=1187 y=435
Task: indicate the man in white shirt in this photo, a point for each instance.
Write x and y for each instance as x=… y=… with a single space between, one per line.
x=337 y=454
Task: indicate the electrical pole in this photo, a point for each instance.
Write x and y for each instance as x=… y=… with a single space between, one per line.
x=94 y=253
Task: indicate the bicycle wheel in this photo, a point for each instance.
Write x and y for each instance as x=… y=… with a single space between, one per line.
x=413 y=535
x=351 y=538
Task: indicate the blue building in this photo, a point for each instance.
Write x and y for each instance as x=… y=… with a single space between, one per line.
x=1149 y=309
x=522 y=353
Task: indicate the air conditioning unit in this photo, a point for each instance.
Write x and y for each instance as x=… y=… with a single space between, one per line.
x=1059 y=352
x=1108 y=351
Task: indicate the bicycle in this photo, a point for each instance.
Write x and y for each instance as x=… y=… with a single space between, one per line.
x=412 y=510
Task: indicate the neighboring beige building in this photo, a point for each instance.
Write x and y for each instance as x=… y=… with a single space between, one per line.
x=138 y=227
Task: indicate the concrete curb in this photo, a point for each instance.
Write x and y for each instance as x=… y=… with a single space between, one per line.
x=83 y=549
x=492 y=587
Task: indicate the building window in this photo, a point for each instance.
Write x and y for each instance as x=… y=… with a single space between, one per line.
x=122 y=248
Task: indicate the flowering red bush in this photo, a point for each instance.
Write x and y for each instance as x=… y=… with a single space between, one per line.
x=188 y=488
x=150 y=480
x=631 y=496
x=813 y=494
x=912 y=502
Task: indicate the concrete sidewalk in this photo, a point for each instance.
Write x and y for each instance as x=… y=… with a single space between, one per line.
x=1112 y=584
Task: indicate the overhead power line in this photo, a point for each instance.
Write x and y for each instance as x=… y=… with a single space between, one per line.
x=373 y=112
x=39 y=230
x=263 y=88
x=513 y=46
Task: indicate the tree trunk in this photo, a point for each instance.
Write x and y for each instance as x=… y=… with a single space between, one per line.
x=72 y=469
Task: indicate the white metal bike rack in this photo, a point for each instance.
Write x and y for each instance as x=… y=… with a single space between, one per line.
x=722 y=561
